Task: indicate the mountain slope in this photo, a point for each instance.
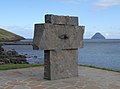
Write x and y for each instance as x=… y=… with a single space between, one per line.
x=8 y=36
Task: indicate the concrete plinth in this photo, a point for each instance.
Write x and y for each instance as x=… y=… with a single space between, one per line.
x=60 y=64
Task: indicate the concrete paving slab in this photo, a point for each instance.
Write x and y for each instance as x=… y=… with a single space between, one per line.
x=33 y=78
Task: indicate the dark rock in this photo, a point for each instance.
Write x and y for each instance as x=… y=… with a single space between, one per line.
x=12 y=52
x=11 y=56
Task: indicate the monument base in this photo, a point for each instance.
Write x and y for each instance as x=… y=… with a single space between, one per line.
x=60 y=64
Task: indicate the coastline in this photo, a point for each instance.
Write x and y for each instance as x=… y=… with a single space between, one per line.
x=101 y=68
x=20 y=66
x=16 y=43
x=101 y=62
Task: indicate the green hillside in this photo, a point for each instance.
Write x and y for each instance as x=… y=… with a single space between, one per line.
x=8 y=36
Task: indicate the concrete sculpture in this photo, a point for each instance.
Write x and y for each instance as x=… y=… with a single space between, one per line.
x=59 y=37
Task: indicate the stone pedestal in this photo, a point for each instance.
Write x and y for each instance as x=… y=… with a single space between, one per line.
x=60 y=64
x=59 y=37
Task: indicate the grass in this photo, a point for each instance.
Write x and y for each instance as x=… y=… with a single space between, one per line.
x=6 y=35
x=17 y=66
x=108 y=69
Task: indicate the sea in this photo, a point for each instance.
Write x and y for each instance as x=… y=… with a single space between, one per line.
x=101 y=53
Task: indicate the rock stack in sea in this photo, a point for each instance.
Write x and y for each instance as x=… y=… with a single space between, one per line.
x=98 y=36
x=11 y=57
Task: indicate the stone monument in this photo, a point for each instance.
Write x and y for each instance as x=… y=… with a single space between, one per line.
x=59 y=37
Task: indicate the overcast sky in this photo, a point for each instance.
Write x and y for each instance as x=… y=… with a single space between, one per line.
x=19 y=16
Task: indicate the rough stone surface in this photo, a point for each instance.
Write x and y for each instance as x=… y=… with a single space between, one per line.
x=63 y=63
x=60 y=37
x=49 y=37
x=66 y=20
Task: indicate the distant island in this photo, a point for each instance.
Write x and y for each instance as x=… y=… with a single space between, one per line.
x=6 y=36
x=97 y=36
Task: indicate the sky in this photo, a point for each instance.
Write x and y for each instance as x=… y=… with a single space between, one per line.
x=19 y=16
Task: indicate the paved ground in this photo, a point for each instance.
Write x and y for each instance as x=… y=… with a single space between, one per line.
x=32 y=78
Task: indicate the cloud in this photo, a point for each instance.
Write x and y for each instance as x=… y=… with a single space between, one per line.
x=107 y=3
x=98 y=3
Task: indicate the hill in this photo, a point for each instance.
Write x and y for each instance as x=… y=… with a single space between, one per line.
x=98 y=36
x=9 y=36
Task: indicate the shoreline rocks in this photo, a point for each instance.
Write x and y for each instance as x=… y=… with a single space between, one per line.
x=11 y=57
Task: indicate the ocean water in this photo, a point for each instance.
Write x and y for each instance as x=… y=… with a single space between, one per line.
x=101 y=53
